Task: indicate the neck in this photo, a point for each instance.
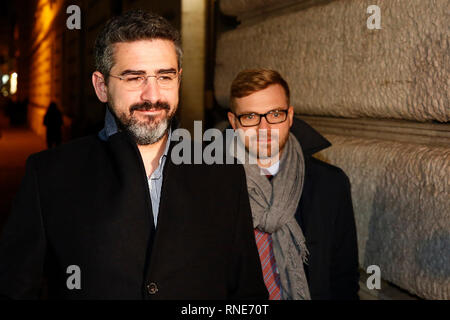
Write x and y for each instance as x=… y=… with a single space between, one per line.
x=268 y=162
x=152 y=153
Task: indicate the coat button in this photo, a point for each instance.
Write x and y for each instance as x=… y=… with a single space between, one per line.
x=152 y=288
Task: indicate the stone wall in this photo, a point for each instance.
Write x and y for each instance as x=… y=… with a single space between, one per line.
x=338 y=67
x=382 y=98
x=401 y=198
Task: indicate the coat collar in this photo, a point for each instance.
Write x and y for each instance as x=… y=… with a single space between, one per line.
x=110 y=127
x=310 y=140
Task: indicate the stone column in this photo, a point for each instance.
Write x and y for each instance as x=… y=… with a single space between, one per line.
x=193 y=24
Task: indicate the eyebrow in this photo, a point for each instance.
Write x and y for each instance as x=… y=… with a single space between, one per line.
x=142 y=72
x=170 y=70
x=275 y=109
x=128 y=71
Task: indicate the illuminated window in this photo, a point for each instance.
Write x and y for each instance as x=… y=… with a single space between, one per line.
x=13 y=85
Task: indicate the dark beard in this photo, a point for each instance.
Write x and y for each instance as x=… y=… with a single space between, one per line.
x=146 y=106
x=148 y=131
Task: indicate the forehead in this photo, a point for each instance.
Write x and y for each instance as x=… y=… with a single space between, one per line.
x=148 y=55
x=262 y=101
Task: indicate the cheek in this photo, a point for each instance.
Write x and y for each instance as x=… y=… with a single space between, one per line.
x=283 y=133
x=172 y=99
x=122 y=100
x=248 y=134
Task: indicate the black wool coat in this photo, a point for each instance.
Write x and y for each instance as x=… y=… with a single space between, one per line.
x=325 y=215
x=87 y=204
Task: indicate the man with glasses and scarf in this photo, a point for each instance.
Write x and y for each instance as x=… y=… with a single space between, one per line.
x=110 y=216
x=301 y=206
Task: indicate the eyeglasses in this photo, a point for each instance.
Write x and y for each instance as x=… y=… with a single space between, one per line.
x=134 y=82
x=254 y=119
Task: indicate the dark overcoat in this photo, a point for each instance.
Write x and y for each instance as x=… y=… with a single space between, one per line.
x=325 y=214
x=87 y=204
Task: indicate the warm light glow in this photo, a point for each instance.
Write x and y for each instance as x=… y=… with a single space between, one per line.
x=13 y=85
x=44 y=37
x=47 y=11
x=5 y=78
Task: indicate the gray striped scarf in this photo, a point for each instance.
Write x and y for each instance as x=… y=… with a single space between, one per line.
x=273 y=205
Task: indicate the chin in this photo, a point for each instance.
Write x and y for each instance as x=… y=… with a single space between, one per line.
x=270 y=155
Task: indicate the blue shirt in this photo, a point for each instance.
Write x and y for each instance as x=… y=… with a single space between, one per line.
x=156 y=178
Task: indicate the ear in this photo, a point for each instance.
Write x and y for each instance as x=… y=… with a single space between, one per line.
x=179 y=77
x=98 y=81
x=290 y=115
x=232 y=119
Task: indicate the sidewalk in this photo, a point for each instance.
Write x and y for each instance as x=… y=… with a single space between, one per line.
x=16 y=144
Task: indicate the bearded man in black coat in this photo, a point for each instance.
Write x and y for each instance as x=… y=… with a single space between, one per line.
x=111 y=216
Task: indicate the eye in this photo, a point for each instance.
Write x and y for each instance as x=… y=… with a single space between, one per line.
x=134 y=79
x=275 y=114
x=248 y=116
x=164 y=78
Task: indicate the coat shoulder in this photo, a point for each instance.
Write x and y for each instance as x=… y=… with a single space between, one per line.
x=331 y=171
x=219 y=169
x=74 y=152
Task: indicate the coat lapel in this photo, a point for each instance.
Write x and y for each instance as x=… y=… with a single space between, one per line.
x=131 y=174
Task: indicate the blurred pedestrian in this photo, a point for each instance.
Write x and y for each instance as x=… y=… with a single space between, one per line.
x=53 y=121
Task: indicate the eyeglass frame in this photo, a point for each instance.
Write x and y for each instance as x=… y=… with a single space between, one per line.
x=264 y=115
x=122 y=78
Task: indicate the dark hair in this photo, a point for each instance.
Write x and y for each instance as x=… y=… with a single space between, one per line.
x=132 y=26
x=253 y=80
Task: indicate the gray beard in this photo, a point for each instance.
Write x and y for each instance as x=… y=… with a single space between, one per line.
x=145 y=133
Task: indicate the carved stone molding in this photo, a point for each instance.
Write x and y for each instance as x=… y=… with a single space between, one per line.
x=401 y=196
x=252 y=11
x=432 y=134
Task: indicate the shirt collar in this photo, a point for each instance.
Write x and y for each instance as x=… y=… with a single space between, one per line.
x=158 y=172
x=272 y=170
x=110 y=127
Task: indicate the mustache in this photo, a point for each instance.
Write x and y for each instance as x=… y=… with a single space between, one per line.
x=262 y=134
x=146 y=106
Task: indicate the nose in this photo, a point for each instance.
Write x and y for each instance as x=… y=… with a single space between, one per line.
x=151 y=91
x=264 y=124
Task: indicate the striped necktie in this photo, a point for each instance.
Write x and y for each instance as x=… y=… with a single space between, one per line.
x=268 y=264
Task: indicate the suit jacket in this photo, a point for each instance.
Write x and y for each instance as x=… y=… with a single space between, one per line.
x=87 y=204
x=325 y=214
